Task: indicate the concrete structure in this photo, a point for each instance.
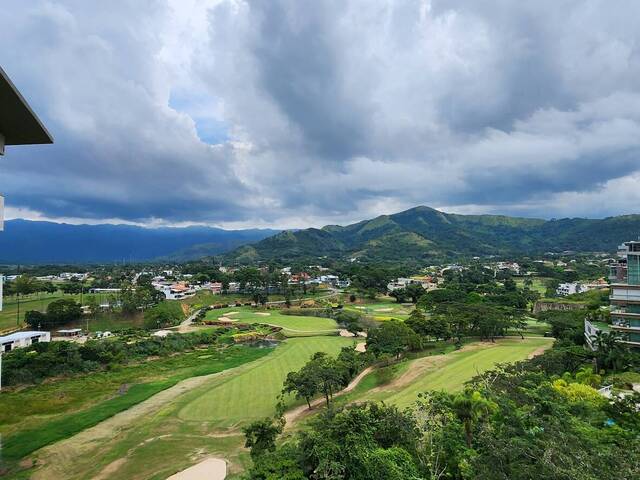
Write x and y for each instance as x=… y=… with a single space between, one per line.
x=591 y=331
x=69 y=332
x=625 y=293
x=22 y=339
x=19 y=125
x=565 y=289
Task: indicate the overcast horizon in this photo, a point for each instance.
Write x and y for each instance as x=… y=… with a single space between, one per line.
x=286 y=114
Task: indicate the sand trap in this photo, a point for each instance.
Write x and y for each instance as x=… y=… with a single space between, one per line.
x=384 y=309
x=361 y=347
x=226 y=319
x=263 y=314
x=228 y=314
x=346 y=333
x=209 y=469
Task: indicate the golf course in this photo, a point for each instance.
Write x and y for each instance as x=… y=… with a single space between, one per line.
x=292 y=325
x=201 y=417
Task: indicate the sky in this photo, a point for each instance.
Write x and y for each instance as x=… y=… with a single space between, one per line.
x=291 y=114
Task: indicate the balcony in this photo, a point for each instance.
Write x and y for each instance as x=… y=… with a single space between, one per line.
x=621 y=312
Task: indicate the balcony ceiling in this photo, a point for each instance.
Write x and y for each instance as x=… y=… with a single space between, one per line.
x=18 y=123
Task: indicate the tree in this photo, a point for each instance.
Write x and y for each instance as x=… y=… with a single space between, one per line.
x=415 y=291
x=165 y=314
x=303 y=383
x=400 y=294
x=349 y=320
x=471 y=407
x=261 y=436
x=328 y=372
x=62 y=311
x=392 y=337
x=35 y=319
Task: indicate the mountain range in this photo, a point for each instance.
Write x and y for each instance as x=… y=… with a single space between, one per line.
x=423 y=233
x=419 y=234
x=24 y=241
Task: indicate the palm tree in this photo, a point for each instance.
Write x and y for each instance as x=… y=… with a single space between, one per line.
x=470 y=407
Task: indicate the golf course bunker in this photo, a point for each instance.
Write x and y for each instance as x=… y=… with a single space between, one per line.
x=384 y=309
x=209 y=469
x=263 y=314
x=228 y=314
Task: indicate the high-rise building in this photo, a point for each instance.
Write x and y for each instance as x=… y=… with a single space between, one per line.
x=625 y=293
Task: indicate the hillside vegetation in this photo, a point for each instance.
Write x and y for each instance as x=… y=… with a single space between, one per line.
x=423 y=233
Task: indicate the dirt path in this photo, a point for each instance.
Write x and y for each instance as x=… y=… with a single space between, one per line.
x=293 y=415
x=423 y=365
x=58 y=458
x=185 y=325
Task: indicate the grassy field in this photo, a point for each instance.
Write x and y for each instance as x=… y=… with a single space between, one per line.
x=451 y=371
x=202 y=421
x=204 y=298
x=537 y=284
x=9 y=318
x=381 y=309
x=294 y=326
x=36 y=416
x=252 y=394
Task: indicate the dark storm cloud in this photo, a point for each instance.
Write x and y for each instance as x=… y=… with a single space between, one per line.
x=325 y=111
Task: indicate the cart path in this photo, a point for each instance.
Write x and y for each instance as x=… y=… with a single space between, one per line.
x=293 y=415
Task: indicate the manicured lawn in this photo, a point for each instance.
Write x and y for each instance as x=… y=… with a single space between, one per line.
x=9 y=315
x=9 y=318
x=251 y=395
x=459 y=367
x=293 y=325
x=537 y=284
x=66 y=407
x=382 y=309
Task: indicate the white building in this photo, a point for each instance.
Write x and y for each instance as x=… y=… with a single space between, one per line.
x=175 y=291
x=22 y=339
x=565 y=289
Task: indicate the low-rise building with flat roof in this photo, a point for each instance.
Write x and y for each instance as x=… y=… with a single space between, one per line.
x=22 y=339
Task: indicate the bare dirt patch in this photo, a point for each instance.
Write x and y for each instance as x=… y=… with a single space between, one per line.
x=211 y=469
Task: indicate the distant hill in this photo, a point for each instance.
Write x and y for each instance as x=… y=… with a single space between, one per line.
x=423 y=233
x=24 y=241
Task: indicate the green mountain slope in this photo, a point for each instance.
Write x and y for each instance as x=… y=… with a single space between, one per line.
x=423 y=233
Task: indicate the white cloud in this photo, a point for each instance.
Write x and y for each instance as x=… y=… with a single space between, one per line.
x=323 y=112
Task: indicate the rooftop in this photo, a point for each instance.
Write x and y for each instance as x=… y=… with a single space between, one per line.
x=18 y=123
x=20 y=335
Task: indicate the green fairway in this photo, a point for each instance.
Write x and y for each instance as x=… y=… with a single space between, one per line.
x=537 y=284
x=454 y=369
x=50 y=428
x=382 y=309
x=251 y=395
x=293 y=325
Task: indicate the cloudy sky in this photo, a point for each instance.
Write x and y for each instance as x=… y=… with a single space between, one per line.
x=293 y=113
